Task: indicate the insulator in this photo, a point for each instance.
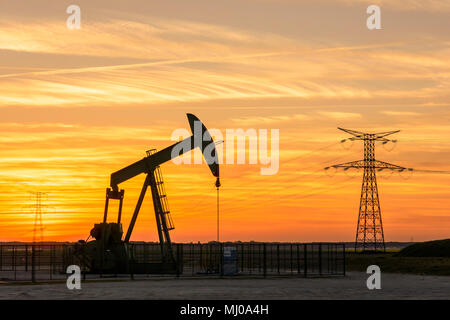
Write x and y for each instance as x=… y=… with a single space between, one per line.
x=330 y=173
x=406 y=175
x=343 y=144
x=218 y=183
x=389 y=149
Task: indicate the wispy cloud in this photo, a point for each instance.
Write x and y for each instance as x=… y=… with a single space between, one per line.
x=263 y=75
x=401 y=113
x=405 y=5
x=269 y=119
x=79 y=105
x=160 y=39
x=192 y=61
x=340 y=115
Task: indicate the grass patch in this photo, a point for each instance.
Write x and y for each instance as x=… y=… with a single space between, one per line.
x=393 y=263
x=437 y=248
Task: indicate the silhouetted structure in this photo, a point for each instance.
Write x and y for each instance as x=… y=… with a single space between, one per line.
x=109 y=252
x=369 y=231
x=38 y=229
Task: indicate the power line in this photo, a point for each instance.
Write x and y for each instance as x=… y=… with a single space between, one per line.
x=431 y=171
x=268 y=201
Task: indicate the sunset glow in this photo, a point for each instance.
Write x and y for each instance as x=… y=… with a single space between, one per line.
x=77 y=105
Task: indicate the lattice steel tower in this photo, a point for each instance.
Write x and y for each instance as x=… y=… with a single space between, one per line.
x=369 y=231
x=38 y=228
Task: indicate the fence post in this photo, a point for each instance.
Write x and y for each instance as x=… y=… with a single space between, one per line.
x=179 y=258
x=201 y=257
x=259 y=258
x=305 y=258
x=191 y=259
x=39 y=257
x=130 y=262
x=209 y=260
x=250 y=258
x=14 y=262
x=291 y=258
x=221 y=260
x=343 y=256
x=33 y=264
x=83 y=258
x=278 y=258
x=328 y=258
x=51 y=262
x=320 y=259
x=265 y=259
x=64 y=259
x=242 y=257
x=26 y=258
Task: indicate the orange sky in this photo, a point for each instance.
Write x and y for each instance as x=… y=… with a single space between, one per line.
x=77 y=105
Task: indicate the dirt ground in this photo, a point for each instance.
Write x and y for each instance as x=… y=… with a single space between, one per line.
x=353 y=286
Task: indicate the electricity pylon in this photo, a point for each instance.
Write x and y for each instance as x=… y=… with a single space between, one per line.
x=369 y=231
x=38 y=229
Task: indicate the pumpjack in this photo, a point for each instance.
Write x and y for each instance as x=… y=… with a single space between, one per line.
x=109 y=253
